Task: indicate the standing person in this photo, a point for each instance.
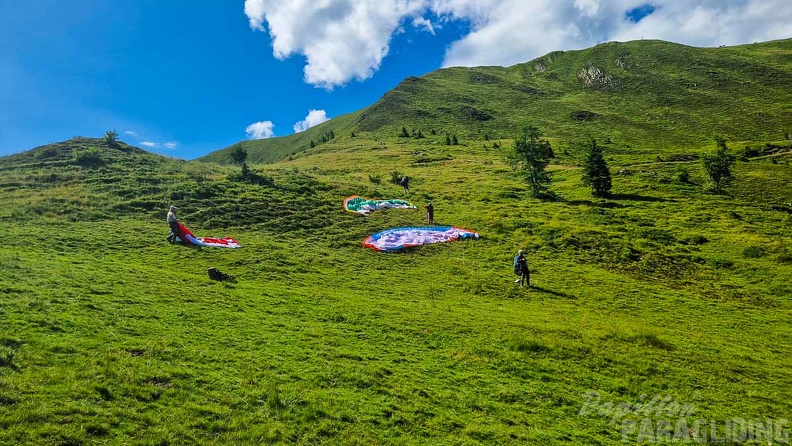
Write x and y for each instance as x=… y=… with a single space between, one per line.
x=430 y=213
x=173 y=222
x=521 y=269
x=405 y=182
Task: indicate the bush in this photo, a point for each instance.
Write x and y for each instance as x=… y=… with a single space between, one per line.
x=682 y=176
x=90 y=158
x=7 y=357
x=721 y=263
x=696 y=240
x=252 y=177
x=718 y=166
x=396 y=177
x=49 y=152
x=749 y=152
x=375 y=179
x=753 y=252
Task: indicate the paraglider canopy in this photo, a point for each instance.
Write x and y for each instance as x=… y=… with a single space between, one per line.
x=364 y=206
x=411 y=236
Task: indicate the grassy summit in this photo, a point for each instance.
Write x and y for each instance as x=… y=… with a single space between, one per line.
x=111 y=335
x=646 y=97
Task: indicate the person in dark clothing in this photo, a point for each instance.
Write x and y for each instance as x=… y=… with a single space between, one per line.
x=521 y=267
x=430 y=213
x=173 y=222
x=405 y=183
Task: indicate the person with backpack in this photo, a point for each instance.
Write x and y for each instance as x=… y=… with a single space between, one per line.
x=521 y=269
x=173 y=222
x=405 y=183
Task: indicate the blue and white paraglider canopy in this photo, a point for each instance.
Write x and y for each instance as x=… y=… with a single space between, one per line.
x=400 y=238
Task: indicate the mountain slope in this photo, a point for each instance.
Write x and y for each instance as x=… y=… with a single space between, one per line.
x=273 y=149
x=643 y=96
x=110 y=334
x=85 y=179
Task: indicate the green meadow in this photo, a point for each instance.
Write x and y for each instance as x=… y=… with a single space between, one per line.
x=664 y=291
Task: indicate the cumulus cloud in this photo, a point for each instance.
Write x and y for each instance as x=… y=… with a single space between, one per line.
x=260 y=130
x=510 y=34
x=340 y=39
x=149 y=144
x=347 y=39
x=171 y=145
x=131 y=133
x=315 y=117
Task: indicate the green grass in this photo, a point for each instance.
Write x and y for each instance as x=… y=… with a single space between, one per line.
x=111 y=335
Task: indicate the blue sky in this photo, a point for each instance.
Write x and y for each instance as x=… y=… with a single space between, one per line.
x=169 y=71
x=186 y=78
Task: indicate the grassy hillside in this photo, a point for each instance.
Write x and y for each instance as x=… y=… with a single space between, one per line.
x=111 y=335
x=642 y=97
x=273 y=149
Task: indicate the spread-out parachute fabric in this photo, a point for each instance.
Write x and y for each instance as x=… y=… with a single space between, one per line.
x=363 y=206
x=187 y=237
x=407 y=237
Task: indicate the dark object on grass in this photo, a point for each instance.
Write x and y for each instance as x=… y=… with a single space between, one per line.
x=215 y=274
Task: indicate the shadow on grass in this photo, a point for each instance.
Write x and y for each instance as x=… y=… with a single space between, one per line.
x=636 y=197
x=188 y=245
x=552 y=292
x=599 y=204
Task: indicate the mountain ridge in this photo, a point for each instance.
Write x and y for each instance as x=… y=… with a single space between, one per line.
x=642 y=95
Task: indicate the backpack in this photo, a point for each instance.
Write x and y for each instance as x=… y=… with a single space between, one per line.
x=215 y=274
x=517 y=267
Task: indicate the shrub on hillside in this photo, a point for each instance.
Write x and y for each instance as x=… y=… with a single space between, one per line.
x=90 y=158
x=7 y=357
x=753 y=252
x=718 y=166
x=396 y=176
x=49 y=152
x=682 y=176
x=375 y=178
x=252 y=177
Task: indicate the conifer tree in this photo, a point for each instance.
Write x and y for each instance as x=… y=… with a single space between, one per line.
x=596 y=173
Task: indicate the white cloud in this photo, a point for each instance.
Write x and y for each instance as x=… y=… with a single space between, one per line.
x=131 y=133
x=347 y=39
x=340 y=39
x=420 y=22
x=315 y=117
x=171 y=145
x=149 y=144
x=260 y=130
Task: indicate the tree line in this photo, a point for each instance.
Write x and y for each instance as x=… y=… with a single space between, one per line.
x=531 y=154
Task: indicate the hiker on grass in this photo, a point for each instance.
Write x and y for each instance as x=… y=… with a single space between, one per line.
x=173 y=222
x=405 y=183
x=521 y=269
x=430 y=213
